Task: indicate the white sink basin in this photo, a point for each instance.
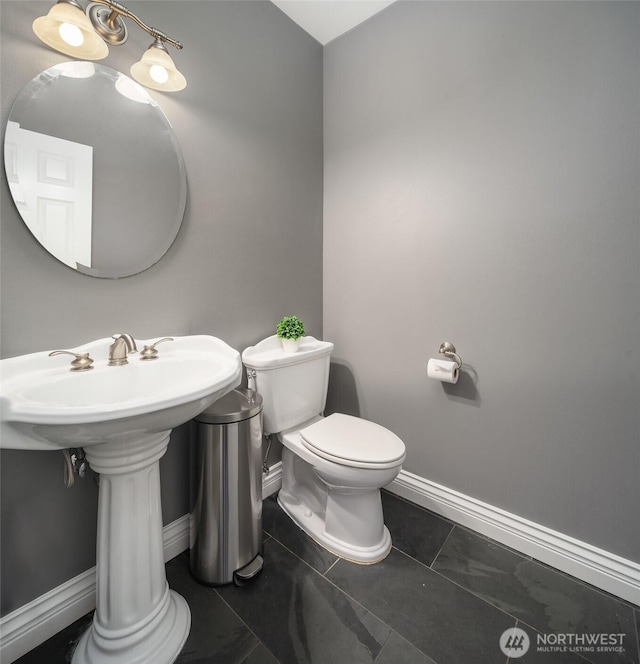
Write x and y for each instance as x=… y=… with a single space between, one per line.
x=47 y=406
x=122 y=416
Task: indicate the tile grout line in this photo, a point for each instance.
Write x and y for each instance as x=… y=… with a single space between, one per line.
x=458 y=585
x=347 y=595
x=424 y=510
x=302 y=560
x=333 y=564
x=393 y=631
x=566 y=575
x=256 y=645
x=377 y=657
x=446 y=539
x=259 y=640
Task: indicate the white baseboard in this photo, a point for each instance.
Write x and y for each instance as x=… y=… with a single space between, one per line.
x=176 y=537
x=35 y=622
x=272 y=481
x=602 y=569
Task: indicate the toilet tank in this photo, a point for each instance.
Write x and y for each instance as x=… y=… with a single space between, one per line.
x=293 y=386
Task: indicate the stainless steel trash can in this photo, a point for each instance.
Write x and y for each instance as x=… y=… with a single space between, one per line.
x=226 y=490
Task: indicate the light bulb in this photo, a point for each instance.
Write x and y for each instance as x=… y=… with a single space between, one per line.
x=156 y=70
x=158 y=73
x=67 y=29
x=71 y=34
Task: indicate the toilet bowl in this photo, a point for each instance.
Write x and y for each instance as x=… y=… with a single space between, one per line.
x=332 y=467
x=337 y=501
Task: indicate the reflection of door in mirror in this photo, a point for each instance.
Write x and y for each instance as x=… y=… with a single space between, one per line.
x=51 y=182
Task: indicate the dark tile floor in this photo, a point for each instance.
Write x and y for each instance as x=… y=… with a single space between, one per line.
x=444 y=595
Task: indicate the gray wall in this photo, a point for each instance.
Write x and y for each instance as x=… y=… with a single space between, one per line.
x=482 y=165
x=249 y=252
x=482 y=161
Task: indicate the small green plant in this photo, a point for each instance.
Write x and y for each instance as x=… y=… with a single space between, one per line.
x=290 y=327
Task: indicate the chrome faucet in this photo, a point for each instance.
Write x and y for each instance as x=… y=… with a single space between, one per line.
x=123 y=344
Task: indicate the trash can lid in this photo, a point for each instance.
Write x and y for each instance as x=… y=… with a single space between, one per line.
x=235 y=406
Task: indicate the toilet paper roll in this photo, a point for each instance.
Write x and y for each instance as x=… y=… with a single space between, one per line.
x=445 y=371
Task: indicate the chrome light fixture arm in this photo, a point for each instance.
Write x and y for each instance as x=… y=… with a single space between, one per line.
x=112 y=29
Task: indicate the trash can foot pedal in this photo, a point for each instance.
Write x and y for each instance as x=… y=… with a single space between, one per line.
x=246 y=573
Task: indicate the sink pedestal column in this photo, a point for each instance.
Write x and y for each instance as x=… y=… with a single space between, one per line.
x=137 y=619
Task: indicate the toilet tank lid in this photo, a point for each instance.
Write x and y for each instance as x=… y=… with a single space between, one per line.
x=269 y=354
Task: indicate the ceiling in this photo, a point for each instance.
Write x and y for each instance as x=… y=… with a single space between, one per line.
x=327 y=19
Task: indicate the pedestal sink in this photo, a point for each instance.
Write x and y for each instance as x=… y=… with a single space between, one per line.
x=122 y=416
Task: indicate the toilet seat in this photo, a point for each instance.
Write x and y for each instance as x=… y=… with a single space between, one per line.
x=352 y=441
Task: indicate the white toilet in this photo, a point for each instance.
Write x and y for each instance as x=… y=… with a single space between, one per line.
x=332 y=467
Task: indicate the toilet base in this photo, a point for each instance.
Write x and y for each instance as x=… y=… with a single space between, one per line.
x=313 y=526
x=348 y=522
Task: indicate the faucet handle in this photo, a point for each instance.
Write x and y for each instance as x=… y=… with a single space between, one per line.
x=82 y=361
x=150 y=352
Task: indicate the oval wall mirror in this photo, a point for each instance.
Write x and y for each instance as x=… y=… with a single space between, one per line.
x=95 y=169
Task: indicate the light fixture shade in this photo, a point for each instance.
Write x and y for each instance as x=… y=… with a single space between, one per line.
x=47 y=28
x=156 y=59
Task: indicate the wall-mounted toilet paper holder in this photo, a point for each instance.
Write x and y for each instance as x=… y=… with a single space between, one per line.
x=449 y=350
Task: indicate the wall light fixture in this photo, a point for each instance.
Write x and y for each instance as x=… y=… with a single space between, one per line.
x=85 y=34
